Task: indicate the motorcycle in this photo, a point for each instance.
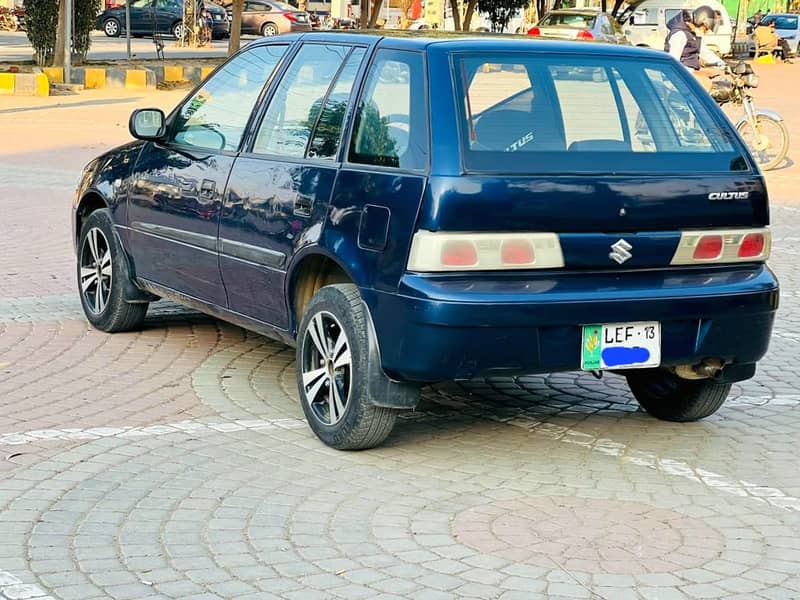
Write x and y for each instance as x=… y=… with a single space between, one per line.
x=763 y=131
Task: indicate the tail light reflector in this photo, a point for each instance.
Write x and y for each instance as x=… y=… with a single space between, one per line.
x=534 y=31
x=720 y=247
x=709 y=247
x=585 y=34
x=444 y=251
x=290 y=16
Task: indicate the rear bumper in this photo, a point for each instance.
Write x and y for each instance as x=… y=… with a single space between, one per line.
x=441 y=328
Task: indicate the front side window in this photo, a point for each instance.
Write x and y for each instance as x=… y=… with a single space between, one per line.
x=216 y=116
x=536 y=114
x=390 y=128
x=293 y=110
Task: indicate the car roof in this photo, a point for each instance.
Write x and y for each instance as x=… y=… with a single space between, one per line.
x=449 y=41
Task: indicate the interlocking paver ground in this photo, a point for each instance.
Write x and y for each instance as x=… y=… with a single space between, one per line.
x=174 y=462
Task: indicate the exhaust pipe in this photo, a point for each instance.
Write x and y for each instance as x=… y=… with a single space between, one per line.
x=710 y=368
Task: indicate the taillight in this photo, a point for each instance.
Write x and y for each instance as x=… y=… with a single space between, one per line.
x=585 y=34
x=534 y=31
x=444 y=251
x=719 y=247
x=290 y=16
x=752 y=245
x=709 y=247
x=458 y=253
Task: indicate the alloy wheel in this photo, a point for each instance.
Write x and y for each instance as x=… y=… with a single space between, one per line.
x=111 y=28
x=96 y=270
x=326 y=368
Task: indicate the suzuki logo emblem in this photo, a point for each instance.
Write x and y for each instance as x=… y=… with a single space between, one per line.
x=620 y=252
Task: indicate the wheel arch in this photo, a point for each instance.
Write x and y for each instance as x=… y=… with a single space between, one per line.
x=91 y=201
x=310 y=270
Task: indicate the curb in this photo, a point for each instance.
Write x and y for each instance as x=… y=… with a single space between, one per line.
x=24 y=84
x=92 y=78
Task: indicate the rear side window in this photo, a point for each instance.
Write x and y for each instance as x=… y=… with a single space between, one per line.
x=539 y=114
x=292 y=112
x=391 y=126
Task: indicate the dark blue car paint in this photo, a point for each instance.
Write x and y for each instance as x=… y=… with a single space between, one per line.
x=435 y=327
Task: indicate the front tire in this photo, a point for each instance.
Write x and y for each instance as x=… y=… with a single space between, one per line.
x=112 y=27
x=178 y=30
x=668 y=397
x=103 y=275
x=334 y=368
x=769 y=144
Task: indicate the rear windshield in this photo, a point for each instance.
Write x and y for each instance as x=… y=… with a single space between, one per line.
x=577 y=21
x=537 y=113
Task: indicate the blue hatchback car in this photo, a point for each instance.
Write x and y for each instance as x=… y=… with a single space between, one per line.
x=406 y=210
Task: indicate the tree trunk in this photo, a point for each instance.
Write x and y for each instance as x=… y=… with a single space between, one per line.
x=456 y=15
x=236 y=27
x=58 y=51
x=365 y=14
x=468 y=14
x=376 y=11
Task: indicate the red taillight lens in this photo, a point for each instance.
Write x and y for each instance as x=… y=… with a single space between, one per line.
x=534 y=31
x=290 y=16
x=585 y=35
x=517 y=252
x=708 y=248
x=459 y=253
x=752 y=245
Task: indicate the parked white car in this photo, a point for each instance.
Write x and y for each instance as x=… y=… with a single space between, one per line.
x=645 y=23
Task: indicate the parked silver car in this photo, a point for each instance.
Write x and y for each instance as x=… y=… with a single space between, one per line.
x=580 y=24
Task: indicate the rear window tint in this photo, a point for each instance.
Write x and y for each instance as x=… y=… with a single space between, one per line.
x=536 y=114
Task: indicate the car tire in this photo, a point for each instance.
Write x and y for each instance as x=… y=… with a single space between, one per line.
x=103 y=275
x=112 y=27
x=668 y=397
x=334 y=367
x=269 y=30
x=177 y=30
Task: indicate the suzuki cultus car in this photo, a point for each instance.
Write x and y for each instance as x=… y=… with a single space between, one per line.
x=407 y=210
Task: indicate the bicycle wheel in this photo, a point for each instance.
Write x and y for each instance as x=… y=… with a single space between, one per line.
x=769 y=143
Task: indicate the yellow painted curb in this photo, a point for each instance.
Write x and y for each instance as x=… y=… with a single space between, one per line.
x=205 y=72
x=94 y=79
x=135 y=79
x=6 y=83
x=173 y=73
x=54 y=74
x=42 y=85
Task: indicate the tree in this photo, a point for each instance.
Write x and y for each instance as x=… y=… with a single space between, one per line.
x=500 y=11
x=85 y=14
x=41 y=21
x=236 y=27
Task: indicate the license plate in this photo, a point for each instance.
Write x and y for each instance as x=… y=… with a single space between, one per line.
x=621 y=346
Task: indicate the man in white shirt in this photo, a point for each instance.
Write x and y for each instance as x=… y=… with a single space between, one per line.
x=685 y=44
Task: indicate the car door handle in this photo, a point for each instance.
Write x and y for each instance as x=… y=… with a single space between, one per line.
x=303 y=205
x=207 y=188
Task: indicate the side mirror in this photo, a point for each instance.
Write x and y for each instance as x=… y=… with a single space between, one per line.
x=147 y=124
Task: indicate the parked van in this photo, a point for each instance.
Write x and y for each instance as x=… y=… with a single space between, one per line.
x=645 y=23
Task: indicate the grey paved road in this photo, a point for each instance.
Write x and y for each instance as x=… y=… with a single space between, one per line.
x=174 y=462
x=16 y=47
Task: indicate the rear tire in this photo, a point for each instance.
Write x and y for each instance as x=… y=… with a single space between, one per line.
x=334 y=370
x=269 y=30
x=103 y=275
x=771 y=134
x=666 y=396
